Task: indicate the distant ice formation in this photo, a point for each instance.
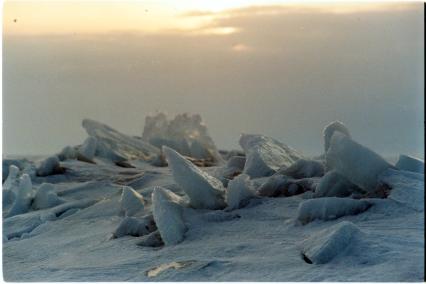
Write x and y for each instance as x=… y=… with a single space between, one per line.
x=329 y=131
x=131 y=201
x=185 y=134
x=304 y=168
x=49 y=166
x=204 y=191
x=265 y=155
x=23 y=197
x=411 y=164
x=115 y=146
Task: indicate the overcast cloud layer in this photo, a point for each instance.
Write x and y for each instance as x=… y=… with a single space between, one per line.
x=283 y=72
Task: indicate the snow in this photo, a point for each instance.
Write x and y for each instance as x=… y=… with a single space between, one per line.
x=115 y=146
x=203 y=190
x=304 y=169
x=265 y=155
x=357 y=163
x=23 y=198
x=88 y=149
x=46 y=197
x=322 y=247
x=334 y=184
x=239 y=191
x=49 y=166
x=131 y=201
x=412 y=164
x=329 y=208
x=167 y=208
x=186 y=134
x=329 y=131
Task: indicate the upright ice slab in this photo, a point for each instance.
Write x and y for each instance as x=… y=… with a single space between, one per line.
x=357 y=163
x=329 y=131
x=185 y=133
x=46 y=197
x=264 y=155
x=167 y=209
x=131 y=201
x=116 y=146
x=411 y=164
x=239 y=191
x=203 y=190
x=88 y=149
x=23 y=197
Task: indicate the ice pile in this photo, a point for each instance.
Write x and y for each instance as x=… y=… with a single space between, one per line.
x=186 y=134
x=265 y=155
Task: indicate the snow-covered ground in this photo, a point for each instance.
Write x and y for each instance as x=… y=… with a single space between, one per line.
x=263 y=241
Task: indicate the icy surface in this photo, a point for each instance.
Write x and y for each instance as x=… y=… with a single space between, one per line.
x=203 y=190
x=329 y=131
x=131 y=226
x=116 y=146
x=412 y=164
x=260 y=242
x=265 y=155
x=131 y=201
x=49 y=166
x=329 y=243
x=239 y=191
x=186 y=134
x=357 y=163
x=88 y=149
x=329 y=208
x=168 y=215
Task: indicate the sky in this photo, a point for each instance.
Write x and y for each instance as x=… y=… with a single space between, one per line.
x=282 y=70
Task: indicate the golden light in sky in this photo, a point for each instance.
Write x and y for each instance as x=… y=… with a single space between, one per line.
x=104 y=16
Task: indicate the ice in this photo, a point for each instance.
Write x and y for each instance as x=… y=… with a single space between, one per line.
x=185 y=133
x=11 y=181
x=151 y=240
x=19 y=163
x=23 y=197
x=239 y=191
x=167 y=209
x=357 y=163
x=324 y=246
x=304 y=169
x=412 y=164
x=67 y=153
x=203 y=190
x=49 y=166
x=88 y=149
x=334 y=184
x=406 y=188
x=132 y=226
x=264 y=155
x=329 y=131
x=115 y=146
x=46 y=197
x=329 y=208
x=131 y=201
x=273 y=186
x=281 y=185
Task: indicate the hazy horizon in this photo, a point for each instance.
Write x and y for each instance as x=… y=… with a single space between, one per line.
x=281 y=71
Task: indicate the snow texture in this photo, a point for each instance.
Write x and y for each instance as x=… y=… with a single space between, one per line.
x=88 y=149
x=407 y=188
x=46 y=197
x=411 y=164
x=167 y=209
x=304 y=169
x=334 y=184
x=357 y=163
x=49 y=166
x=203 y=190
x=265 y=155
x=325 y=245
x=329 y=208
x=239 y=191
x=329 y=131
x=23 y=197
x=185 y=134
x=115 y=146
x=132 y=226
x=131 y=201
